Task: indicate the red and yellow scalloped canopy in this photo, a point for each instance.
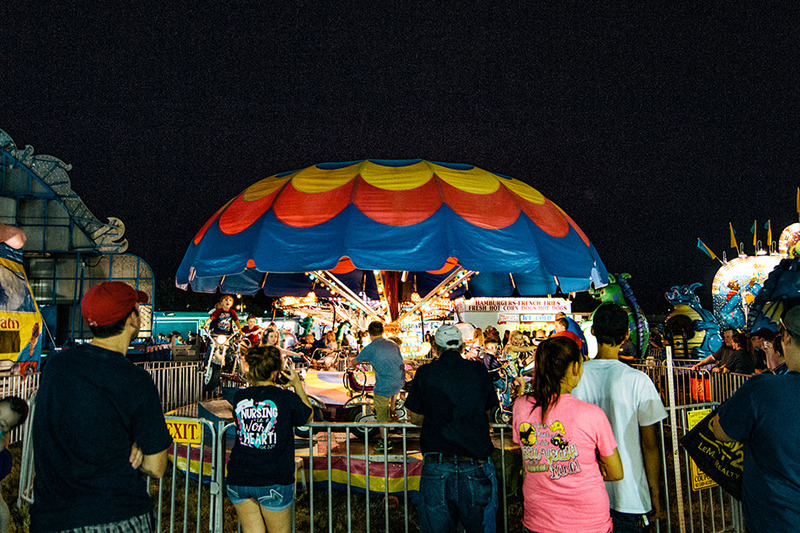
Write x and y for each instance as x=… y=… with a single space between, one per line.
x=404 y=215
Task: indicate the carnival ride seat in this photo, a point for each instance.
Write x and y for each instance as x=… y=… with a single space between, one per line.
x=355 y=381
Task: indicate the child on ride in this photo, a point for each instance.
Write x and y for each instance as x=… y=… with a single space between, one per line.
x=223 y=318
x=252 y=331
x=493 y=365
x=568 y=447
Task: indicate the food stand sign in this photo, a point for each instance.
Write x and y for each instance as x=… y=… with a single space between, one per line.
x=549 y=306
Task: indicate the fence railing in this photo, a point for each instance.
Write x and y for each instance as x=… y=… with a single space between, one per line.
x=378 y=491
x=178 y=383
x=691 y=386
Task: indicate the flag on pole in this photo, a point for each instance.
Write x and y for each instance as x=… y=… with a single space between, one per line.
x=754 y=231
x=706 y=249
x=768 y=227
x=733 y=235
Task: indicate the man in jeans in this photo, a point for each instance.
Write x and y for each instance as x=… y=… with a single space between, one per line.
x=451 y=398
x=390 y=375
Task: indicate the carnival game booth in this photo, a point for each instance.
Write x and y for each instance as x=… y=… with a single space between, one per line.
x=376 y=233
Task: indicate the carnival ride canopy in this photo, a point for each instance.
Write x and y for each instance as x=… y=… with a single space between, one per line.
x=386 y=229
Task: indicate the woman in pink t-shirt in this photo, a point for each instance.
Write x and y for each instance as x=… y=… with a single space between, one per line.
x=568 y=448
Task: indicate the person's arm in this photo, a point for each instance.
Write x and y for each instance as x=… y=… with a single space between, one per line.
x=651 y=453
x=297 y=385
x=415 y=418
x=152 y=465
x=719 y=433
x=705 y=361
x=611 y=466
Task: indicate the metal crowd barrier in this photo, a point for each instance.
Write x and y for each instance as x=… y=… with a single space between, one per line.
x=691 y=386
x=197 y=501
x=23 y=386
x=179 y=383
x=694 y=502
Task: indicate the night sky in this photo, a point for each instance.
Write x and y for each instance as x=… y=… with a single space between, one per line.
x=651 y=125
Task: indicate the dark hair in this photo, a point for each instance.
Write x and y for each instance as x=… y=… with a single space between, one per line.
x=375 y=329
x=554 y=356
x=610 y=324
x=113 y=329
x=741 y=340
x=264 y=361
x=564 y=322
x=441 y=350
x=19 y=406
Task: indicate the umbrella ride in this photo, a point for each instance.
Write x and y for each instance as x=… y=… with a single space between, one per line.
x=371 y=234
x=387 y=240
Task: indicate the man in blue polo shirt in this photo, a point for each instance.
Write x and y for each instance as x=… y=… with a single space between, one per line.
x=451 y=398
x=760 y=415
x=390 y=375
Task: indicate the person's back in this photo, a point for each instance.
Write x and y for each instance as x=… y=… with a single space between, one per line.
x=98 y=426
x=771 y=476
x=634 y=408
x=450 y=398
x=629 y=400
x=82 y=438
x=456 y=426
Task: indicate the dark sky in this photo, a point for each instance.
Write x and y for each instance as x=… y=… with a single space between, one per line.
x=651 y=125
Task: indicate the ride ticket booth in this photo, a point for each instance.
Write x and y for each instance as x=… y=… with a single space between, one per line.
x=524 y=314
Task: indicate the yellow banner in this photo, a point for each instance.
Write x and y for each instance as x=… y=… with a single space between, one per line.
x=184 y=431
x=700 y=481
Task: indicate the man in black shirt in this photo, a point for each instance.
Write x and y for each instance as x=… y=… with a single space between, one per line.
x=98 y=428
x=451 y=398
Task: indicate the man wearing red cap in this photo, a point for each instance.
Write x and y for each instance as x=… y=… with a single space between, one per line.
x=98 y=428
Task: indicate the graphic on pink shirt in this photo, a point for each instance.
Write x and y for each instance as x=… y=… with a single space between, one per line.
x=545 y=449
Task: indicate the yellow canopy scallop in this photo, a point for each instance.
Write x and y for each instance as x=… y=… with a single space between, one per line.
x=392 y=178
x=264 y=188
x=314 y=180
x=475 y=180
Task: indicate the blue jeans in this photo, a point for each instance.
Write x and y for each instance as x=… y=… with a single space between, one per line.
x=627 y=523
x=271 y=498
x=463 y=492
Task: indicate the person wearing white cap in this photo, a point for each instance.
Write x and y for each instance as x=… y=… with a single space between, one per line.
x=451 y=398
x=760 y=415
x=98 y=428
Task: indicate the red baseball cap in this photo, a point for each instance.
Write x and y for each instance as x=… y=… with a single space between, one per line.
x=108 y=302
x=569 y=335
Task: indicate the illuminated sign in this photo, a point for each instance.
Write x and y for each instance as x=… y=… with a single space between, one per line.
x=549 y=306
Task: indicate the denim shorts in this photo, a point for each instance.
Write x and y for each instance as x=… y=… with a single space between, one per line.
x=271 y=497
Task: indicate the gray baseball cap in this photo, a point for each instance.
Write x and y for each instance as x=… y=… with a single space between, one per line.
x=449 y=336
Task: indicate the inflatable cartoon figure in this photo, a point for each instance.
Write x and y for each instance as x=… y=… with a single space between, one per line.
x=735 y=286
x=696 y=324
x=781 y=291
x=618 y=291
